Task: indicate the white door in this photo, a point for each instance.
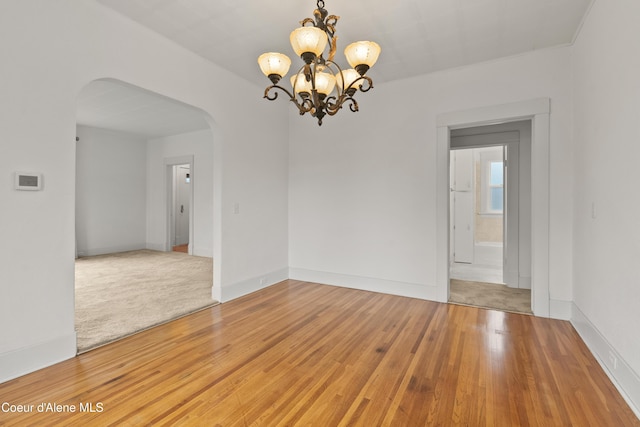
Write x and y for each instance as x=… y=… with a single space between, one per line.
x=182 y=202
x=463 y=206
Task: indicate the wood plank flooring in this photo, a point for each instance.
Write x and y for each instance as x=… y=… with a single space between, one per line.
x=305 y=354
x=181 y=248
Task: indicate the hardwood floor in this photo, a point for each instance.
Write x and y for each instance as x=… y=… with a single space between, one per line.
x=181 y=248
x=305 y=354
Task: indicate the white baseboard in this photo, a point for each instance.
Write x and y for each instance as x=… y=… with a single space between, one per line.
x=559 y=309
x=392 y=287
x=524 y=282
x=617 y=369
x=244 y=287
x=20 y=362
x=156 y=247
x=203 y=252
x=111 y=250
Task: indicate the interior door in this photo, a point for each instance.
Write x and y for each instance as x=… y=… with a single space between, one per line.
x=182 y=202
x=463 y=206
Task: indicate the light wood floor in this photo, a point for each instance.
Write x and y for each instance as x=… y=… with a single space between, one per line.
x=181 y=248
x=305 y=354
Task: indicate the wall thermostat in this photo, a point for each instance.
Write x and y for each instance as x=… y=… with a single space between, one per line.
x=28 y=181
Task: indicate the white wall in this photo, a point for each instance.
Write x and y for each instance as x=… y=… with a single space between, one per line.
x=606 y=220
x=198 y=144
x=50 y=51
x=121 y=190
x=111 y=187
x=363 y=186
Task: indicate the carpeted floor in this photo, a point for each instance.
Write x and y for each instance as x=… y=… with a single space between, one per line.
x=120 y=294
x=489 y=295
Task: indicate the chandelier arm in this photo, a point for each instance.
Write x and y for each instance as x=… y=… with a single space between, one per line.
x=331 y=22
x=353 y=104
x=306 y=21
x=315 y=100
x=330 y=63
x=305 y=106
x=332 y=47
x=364 y=88
x=337 y=73
x=275 y=94
x=333 y=104
x=333 y=108
x=295 y=81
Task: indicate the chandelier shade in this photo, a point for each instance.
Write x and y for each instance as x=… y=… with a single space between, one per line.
x=300 y=84
x=362 y=53
x=320 y=87
x=324 y=83
x=274 y=64
x=308 y=39
x=348 y=76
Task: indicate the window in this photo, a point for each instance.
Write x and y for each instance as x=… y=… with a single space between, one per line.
x=491 y=177
x=496 y=187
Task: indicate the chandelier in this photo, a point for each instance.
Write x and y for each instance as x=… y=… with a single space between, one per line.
x=320 y=86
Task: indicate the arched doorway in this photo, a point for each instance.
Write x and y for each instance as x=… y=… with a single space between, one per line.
x=125 y=136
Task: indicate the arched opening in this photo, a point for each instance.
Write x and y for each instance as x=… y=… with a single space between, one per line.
x=128 y=278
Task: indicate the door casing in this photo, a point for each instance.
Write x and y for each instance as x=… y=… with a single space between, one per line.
x=538 y=111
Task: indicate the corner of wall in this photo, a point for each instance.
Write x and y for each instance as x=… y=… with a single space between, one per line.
x=247 y=286
x=29 y=359
x=576 y=34
x=383 y=286
x=560 y=309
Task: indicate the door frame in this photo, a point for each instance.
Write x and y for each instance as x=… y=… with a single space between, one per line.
x=536 y=110
x=169 y=164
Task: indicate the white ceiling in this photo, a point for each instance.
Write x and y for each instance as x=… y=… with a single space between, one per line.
x=118 y=106
x=416 y=36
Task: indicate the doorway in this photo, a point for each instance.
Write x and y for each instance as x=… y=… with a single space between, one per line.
x=179 y=204
x=490 y=224
x=537 y=111
x=129 y=279
x=181 y=207
x=477 y=214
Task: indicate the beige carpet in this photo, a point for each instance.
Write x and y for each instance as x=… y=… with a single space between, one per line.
x=489 y=295
x=120 y=294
